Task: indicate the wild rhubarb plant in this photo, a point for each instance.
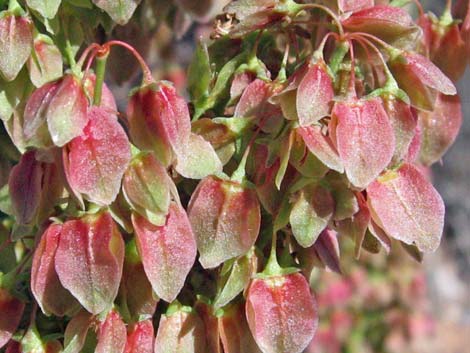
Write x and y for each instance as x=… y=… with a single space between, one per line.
x=194 y=222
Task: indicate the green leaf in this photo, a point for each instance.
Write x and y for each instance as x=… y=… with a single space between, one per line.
x=199 y=73
x=47 y=8
x=12 y=94
x=119 y=10
x=5 y=201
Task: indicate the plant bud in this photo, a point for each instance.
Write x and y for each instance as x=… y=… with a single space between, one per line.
x=89 y=260
x=407 y=207
x=225 y=217
x=281 y=313
x=168 y=251
x=16 y=42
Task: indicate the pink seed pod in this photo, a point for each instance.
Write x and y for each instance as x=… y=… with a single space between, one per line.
x=354 y=5
x=439 y=128
x=407 y=207
x=327 y=249
x=281 y=313
x=404 y=124
x=46 y=63
x=67 y=111
x=146 y=186
x=95 y=162
x=444 y=45
x=93 y=246
x=35 y=187
x=235 y=334
x=226 y=219
x=365 y=139
x=420 y=79
x=112 y=334
x=321 y=146
x=180 y=330
x=140 y=337
x=383 y=21
x=314 y=94
x=51 y=296
x=12 y=310
x=16 y=42
x=168 y=251
x=159 y=121
x=207 y=313
x=76 y=331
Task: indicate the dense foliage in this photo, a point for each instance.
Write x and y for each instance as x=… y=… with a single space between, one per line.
x=202 y=226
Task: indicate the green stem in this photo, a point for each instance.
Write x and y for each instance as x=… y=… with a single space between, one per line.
x=100 y=71
x=338 y=56
x=15 y=8
x=272 y=267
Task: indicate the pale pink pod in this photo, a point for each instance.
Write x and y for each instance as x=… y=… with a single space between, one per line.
x=11 y=309
x=51 y=296
x=95 y=162
x=254 y=95
x=16 y=42
x=365 y=139
x=354 y=5
x=234 y=331
x=207 y=313
x=439 y=128
x=112 y=334
x=281 y=313
x=168 y=251
x=420 y=79
x=314 y=94
x=408 y=208
x=67 y=111
x=322 y=147
x=327 y=249
x=180 y=330
x=46 y=63
x=76 y=332
x=140 y=337
x=225 y=217
x=89 y=260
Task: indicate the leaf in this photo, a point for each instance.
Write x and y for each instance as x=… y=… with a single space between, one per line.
x=237 y=281
x=112 y=334
x=199 y=73
x=89 y=260
x=168 y=252
x=314 y=94
x=321 y=146
x=140 y=338
x=16 y=42
x=225 y=217
x=95 y=162
x=67 y=111
x=180 y=331
x=12 y=311
x=365 y=139
x=49 y=293
x=310 y=214
x=439 y=128
x=408 y=208
x=119 y=10
x=12 y=94
x=47 y=8
x=285 y=302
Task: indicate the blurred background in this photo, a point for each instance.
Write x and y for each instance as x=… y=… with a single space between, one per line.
x=381 y=304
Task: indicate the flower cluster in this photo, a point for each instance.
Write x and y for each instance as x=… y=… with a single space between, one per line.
x=181 y=227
